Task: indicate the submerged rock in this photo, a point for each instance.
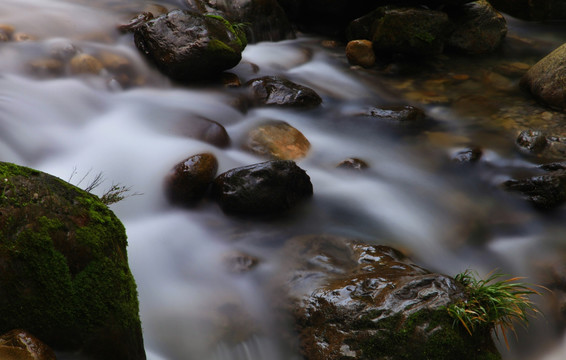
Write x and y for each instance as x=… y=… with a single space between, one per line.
x=273 y=90
x=359 y=301
x=396 y=113
x=353 y=164
x=542 y=145
x=186 y=45
x=261 y=189
x=64 y=269
x=545 y=80
x=189 y=180
x=277 y=140
x=21 y=345
x=478 y=28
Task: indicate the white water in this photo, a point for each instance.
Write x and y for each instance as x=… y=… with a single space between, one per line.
x=83 y=126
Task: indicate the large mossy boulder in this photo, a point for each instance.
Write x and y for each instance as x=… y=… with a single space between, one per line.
x=547 y=78
x=357 y=301
x=64 y=273
x=187 y=45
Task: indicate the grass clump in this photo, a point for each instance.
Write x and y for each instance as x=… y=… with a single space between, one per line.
x=114 y=194
x=494 y=303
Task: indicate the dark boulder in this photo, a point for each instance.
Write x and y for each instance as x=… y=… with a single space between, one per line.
x=545 y=192
x=358 y=301
x=409 y=31
x=189 y=180
x=200 y=128
x=478 y=28
x=353 y=164
x=263 y=20
x=273 y=90
x=396 y=113
x=532 y=10
x=545 y=80
x=187 y=45
x=468 y=156
x=261 y=189
x=64 y=273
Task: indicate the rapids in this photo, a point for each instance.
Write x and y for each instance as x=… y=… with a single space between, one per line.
x=448 y=219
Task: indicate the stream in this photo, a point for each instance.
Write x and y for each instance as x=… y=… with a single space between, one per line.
x=446 y=217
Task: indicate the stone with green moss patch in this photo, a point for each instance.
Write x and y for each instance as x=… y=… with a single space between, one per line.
x=64 y=273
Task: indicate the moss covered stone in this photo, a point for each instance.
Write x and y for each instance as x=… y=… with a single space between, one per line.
x=64 y=273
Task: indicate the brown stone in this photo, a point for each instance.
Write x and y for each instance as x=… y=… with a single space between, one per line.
x=277 y=140
x=21 y=345
x=20 y=37
x=189 y=180
x=46 y=67
x=360 y=52
x=85 y=64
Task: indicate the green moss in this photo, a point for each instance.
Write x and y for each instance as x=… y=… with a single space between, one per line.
x=425 y=335
x=64 y=273
x=236 y=30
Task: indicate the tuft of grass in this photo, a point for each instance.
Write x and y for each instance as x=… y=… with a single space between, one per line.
x=112 y=195
x=494 y=303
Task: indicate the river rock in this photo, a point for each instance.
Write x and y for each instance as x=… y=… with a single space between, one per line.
x=353 y=164
x=410 y=31
x=532 y=10
x=85 y=64
x=478 y=28
x=64 y=269
x=263 y=20
x=273 y=90
x=545 y=80
x=360 y=52
x=203 y=129
x=277 y=140
x=542 y=145
x=358 y=301
x=21 y=345
x=261 y=189
x=396 y=113
x=545 y=192
x=188 y=181
x=186 y=45
x=468 y=156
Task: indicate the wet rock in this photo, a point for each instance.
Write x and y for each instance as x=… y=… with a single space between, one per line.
x=542 y=145
x=6 y=32
x=261 y=189
x=186 y=46
x=85 y=64
x=273 y=90
x=204 y=129
x=231 y=80
x=478 y=28
x=136 y=22
x=469 y=155
x=532 y=10
x=277 y=140
x=61 y=49
x=544 y=191
x=409 y=31
x=353 y=164
x=64 y=268
x=360 y=52
x=357 y=301
x=21 y=345
x=21 y=37
x=264 y=20
x=396 y=113
x=188 y=181
x=545 y=80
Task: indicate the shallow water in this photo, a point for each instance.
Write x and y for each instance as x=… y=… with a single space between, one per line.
x=447 y=218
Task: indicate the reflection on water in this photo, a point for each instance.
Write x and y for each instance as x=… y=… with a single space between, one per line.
x=413 y=197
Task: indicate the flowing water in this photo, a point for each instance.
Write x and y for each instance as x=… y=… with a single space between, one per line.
x=448 y=218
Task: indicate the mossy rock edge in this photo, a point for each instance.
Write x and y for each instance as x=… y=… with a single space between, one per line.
x=64 y=273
